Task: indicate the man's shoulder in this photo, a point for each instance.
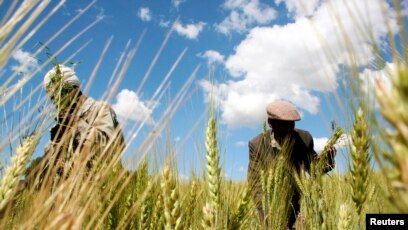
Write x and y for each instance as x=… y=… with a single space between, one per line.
x=96 y=104
x=255 y=139
x=92 y=107
x=258 y=138
x=304 y=135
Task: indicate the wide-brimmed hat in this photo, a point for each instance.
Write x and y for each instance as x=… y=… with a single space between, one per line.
x=282 y=110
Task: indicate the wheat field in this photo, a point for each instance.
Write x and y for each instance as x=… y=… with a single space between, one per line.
x=110 y=196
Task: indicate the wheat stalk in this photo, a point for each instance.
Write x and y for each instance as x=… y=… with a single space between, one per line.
x=157 y=217
x=191 y=205
x=17 y=168
x=324 y=158
x=360 y=161
x=344 y=218
x=213 y=172
x=144 y=216
x=281 y=190
x=395 y=112
x=240 y=217
x=208 y=217
x=172 y=212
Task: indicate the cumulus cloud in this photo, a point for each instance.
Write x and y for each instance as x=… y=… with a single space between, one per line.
x=320 y=142
x=370 y=77
x=177 y=3
x=26 y=63
x=299 y=8
x=212 y=57
x=243 y=14
x=190 y=31
x=144 y=14
x=128 y=105
x=291 y=61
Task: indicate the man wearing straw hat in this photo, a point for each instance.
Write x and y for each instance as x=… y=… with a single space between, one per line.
x=84 y=128
x=295 y=144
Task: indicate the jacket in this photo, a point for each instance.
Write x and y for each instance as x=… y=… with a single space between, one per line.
x=262 y=154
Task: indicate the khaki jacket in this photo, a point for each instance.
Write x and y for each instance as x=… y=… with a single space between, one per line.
x=94 y=131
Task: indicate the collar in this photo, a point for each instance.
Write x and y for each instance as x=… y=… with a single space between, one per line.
x=274 y=142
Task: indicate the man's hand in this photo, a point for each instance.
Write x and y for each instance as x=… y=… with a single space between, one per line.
x=331 y=152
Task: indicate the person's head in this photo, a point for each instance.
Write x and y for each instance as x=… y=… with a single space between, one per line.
x=282 y=116
x=62 y=86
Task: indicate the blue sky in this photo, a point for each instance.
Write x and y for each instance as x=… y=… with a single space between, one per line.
x=249 y=53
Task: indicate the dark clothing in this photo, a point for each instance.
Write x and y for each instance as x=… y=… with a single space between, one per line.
x=262 y=152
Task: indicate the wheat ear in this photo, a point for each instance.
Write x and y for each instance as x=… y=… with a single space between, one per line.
x=360 y=161
x=172 y=212
x=213 y=172
x=344 y=218
x=17 y=168
x=395 y=110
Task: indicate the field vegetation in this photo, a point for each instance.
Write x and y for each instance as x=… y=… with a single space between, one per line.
x=151 y=196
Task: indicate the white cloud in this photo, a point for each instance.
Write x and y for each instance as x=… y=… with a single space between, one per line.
x=370 y=77
x=144 y=14
x=128 y=105
x=177 y=3
x=299 y=8
x=292 y=62
x=100 y=15
x=241 y=169
x=26 y=63
x=241 y=143
x=404 y=8
x=164 y=23
x=320 y=142
x=190 y=31
x=177 y=139
x=212 y=57
x=245 y=13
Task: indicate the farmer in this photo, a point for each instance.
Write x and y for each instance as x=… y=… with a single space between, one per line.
x=84 y=128
x=263 y=148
